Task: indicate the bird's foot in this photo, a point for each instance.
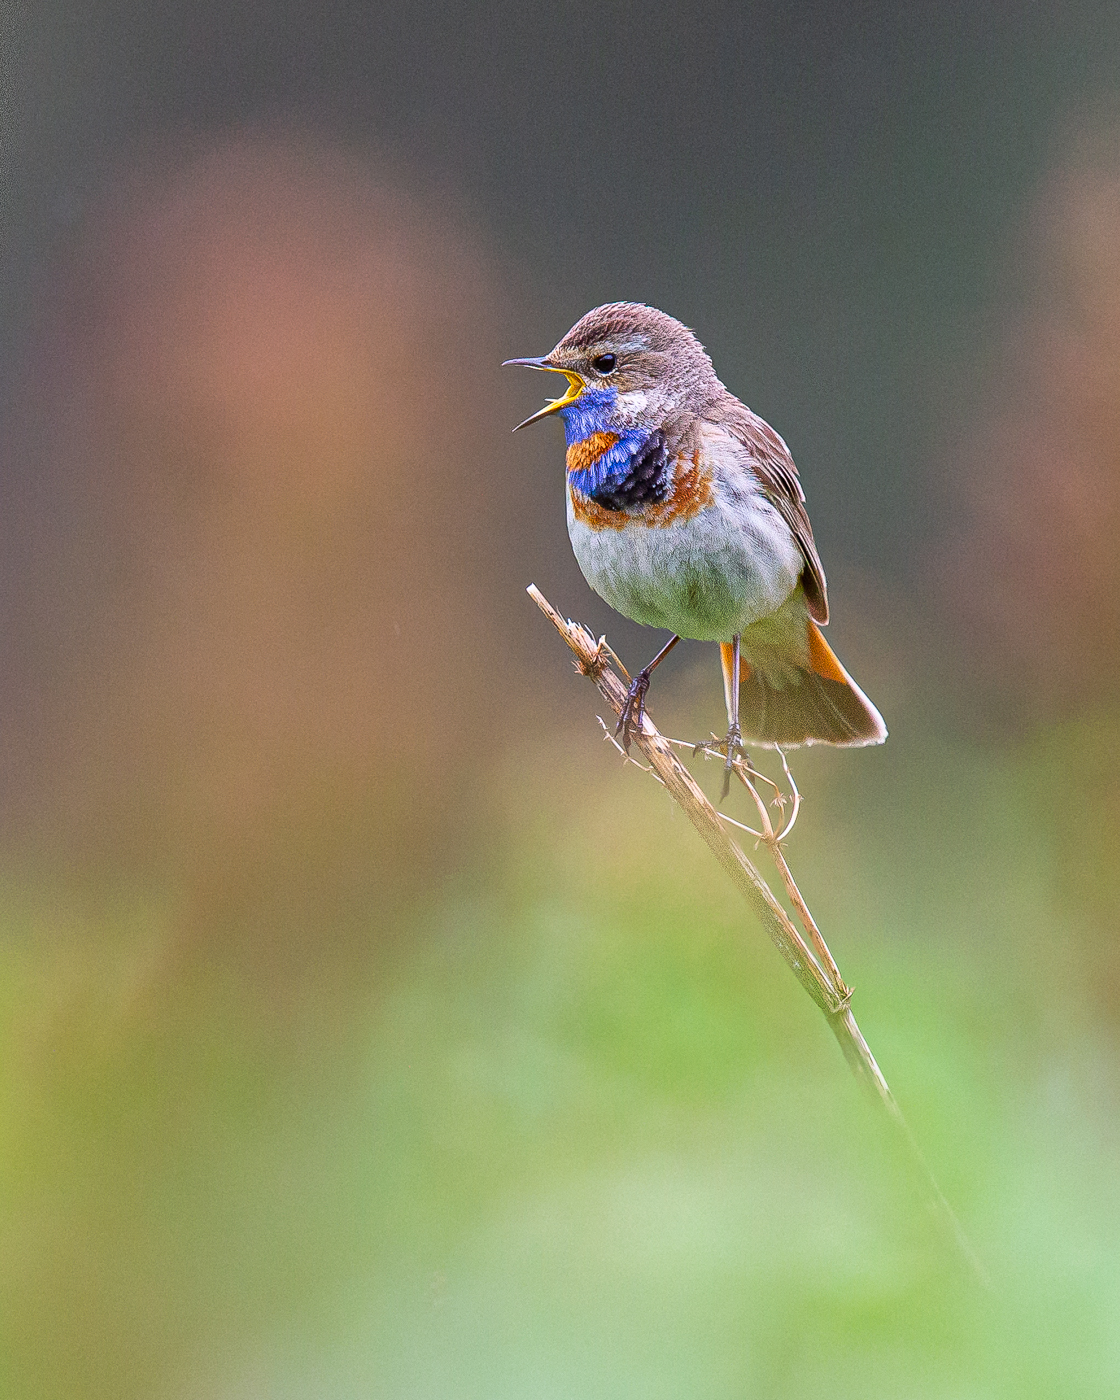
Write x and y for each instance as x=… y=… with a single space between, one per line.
x=729 y=747
x=634 y=709
x=733 y=743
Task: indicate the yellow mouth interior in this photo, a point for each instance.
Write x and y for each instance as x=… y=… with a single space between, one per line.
x=576 y=386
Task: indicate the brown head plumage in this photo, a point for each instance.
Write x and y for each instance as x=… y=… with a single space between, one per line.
x=640 y=352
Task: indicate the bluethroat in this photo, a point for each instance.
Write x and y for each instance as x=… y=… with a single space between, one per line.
x=685 y=511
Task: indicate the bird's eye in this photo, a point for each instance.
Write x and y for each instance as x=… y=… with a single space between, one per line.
x=604 y=364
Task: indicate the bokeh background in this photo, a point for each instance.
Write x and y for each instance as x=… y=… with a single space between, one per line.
x=366 y=1028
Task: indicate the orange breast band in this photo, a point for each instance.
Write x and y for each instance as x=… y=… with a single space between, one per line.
x=692 y=492
x=582 y=455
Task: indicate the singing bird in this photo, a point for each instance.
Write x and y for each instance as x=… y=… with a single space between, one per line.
x=685 y=511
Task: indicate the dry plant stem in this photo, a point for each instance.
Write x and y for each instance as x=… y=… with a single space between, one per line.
x=815 y=970
x=808 y=923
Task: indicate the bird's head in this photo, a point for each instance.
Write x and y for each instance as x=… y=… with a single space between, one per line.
x=628 y=366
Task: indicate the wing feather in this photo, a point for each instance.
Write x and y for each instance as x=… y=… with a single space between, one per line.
x=770 y=460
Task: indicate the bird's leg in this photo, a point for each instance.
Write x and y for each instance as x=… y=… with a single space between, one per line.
x=734 y=736
x=635 y=706
x=732 y=744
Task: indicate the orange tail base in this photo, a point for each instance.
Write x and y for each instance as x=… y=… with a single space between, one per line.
x=818 y=704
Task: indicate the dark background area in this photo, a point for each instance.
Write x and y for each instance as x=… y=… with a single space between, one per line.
x=829 y=194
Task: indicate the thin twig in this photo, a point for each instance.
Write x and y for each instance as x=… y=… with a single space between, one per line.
x=814 y=967
x=758 y=835
x=808 y=923
x=796 y=794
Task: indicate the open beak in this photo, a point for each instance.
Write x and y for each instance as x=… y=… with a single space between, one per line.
x=576 y=386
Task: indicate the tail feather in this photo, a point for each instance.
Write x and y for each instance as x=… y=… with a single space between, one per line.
x=817 y=703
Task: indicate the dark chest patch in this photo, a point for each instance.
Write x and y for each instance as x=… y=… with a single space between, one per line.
x=646 y=481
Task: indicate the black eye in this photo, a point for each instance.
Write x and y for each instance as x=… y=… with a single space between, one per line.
x=603 y=363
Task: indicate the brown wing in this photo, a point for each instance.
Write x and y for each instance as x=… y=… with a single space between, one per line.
x=772 y=464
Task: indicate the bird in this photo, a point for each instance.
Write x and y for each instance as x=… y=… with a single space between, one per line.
x=685 y=511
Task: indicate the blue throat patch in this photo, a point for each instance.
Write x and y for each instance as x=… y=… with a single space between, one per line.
x=592 y=413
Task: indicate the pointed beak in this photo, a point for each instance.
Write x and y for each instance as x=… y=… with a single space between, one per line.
x=576 y=386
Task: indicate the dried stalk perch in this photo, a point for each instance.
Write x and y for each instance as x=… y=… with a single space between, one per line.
x=813 y=966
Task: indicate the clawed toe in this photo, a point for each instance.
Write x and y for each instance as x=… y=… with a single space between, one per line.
x=633 y=712
x=733 y=744
x=729 y=748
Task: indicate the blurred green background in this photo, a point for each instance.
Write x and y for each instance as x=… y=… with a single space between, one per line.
x=367 y=1029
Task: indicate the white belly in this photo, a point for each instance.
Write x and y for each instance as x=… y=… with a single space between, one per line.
x=707 y=577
